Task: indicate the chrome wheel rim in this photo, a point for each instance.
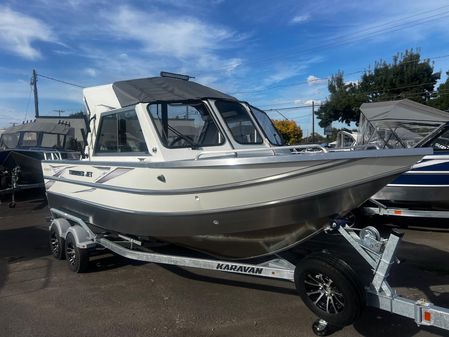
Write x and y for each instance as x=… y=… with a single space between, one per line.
x=323 y=293
x=70 y=254
x=54 y=244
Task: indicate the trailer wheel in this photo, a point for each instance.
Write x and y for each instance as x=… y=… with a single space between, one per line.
x=330 y=288
x=57 y=244
x=77 y=258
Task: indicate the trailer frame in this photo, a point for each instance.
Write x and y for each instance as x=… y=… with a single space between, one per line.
x=378 y=252
x=384 y=210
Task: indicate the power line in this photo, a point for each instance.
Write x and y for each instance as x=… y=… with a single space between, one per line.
x=439 y=92
x=344 y=39
x=291 y=108
x=61 y=81
x=351 y=73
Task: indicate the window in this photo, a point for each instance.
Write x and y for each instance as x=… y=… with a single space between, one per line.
x=239 y=122
x=267 y=126
x=52 y=140
x=120 y=133
x=9 y=141
x=29 y=139
x=183 y=125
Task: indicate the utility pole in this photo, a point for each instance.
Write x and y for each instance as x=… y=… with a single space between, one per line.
x=313 y=121
x=59 y=111
x=36 y=102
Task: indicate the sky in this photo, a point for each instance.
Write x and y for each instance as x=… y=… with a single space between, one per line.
x=273 y=54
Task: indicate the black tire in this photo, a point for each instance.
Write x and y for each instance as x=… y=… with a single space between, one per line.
x=57 y=244
x=77 y=258
x=330 y=288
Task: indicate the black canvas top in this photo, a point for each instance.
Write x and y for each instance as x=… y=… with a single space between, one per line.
x=39 y=126
x=146 y=90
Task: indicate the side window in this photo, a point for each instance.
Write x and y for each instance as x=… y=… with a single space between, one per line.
x=9 y=141
x=52 y=140
x=120 y=133
x=239 y=122
x=29 y=139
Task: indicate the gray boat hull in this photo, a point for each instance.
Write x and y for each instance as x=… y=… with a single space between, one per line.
x=280 y=224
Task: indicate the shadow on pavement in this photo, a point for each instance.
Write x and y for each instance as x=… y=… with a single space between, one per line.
x=24 y=244
x=375 y=322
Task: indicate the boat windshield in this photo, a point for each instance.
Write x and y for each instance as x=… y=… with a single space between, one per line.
x=440 y=143
x=9 y=141
x=185 y=124
x=268 y=127
x=239 y=122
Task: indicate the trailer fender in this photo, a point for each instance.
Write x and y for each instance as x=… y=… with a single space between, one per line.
x=60 y=225
x=81 y=237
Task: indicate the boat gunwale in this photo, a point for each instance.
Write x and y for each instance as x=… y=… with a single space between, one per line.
x=255 y=160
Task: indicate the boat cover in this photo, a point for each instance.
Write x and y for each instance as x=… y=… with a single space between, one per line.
x=403 y=110
x=39 y=126
x=153 y=89
x=396 y=124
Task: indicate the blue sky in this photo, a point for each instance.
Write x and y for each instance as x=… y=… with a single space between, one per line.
x=272 y=53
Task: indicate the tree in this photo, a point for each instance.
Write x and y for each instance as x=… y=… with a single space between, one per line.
x=406 y=77
x=343 y=104
x=289 y=130
x=78 y=114
x=442 y=96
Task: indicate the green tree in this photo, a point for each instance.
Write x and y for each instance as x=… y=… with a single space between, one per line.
x=441 y=100
x=343 y=104
x=406 y=77
x=289 y=130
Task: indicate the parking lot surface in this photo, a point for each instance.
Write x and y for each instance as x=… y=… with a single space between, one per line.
x=39 y=296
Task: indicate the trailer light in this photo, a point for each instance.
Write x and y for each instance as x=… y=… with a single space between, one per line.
x=397 y=212
x=427 y=316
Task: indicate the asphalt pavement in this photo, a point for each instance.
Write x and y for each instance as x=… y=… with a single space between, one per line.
x=39 y=296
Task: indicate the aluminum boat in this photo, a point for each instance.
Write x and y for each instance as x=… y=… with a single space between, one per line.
x=407 y=124
x=173 y=160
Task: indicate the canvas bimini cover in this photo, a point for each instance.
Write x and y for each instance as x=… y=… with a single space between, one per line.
x=398 y=124
x=154 y=89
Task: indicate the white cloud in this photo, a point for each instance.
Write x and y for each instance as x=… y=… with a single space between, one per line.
x=19 y=31
x=163 y=34
x=307 y=102
x=300 y=19
x=90 y=72
x=313 y=80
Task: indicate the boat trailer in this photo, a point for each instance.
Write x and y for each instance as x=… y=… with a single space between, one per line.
x=327 y=284
x=380 y=209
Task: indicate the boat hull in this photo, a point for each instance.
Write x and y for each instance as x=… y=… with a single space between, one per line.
x=424 y=187
x=29 y=162
x=238 y=210
x=269 y=228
